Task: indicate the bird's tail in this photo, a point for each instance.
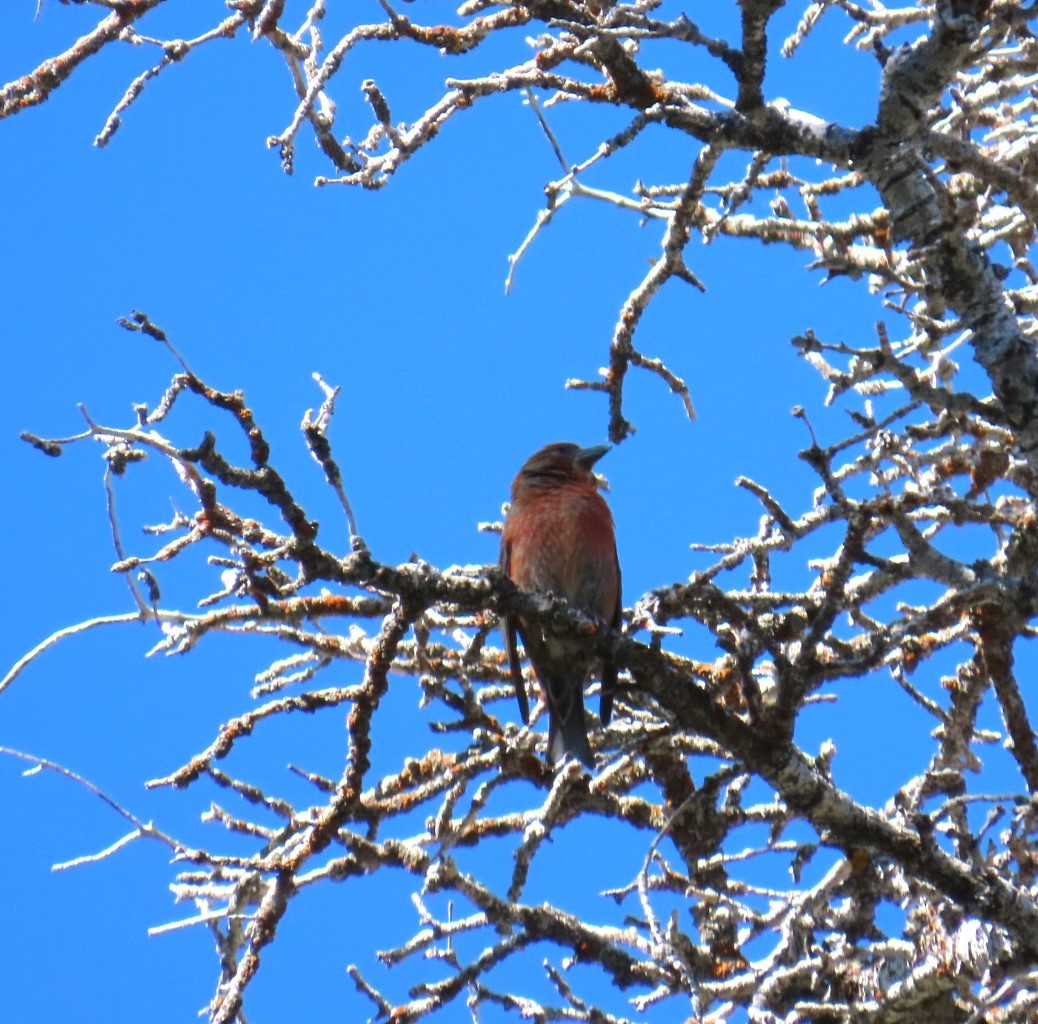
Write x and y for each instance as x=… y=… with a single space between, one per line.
x=567 y=734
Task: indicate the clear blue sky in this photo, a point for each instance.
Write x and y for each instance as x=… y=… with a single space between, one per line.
x=397 y=296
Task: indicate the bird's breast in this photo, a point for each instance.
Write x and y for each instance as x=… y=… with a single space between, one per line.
x=561 y=541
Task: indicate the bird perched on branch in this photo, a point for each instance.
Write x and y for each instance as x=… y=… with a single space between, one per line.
x=558 y=539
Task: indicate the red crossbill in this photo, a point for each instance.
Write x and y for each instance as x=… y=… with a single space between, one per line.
x=558 y=539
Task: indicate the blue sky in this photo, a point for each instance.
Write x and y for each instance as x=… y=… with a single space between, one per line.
x=447 y=386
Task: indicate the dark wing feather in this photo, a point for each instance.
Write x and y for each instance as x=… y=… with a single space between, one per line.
x=608 y=667
x=509 y=629
x=516 y=669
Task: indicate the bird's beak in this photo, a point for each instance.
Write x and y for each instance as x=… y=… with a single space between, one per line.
x=587 y=457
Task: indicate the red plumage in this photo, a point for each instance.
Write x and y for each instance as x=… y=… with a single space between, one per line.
x=558 y=538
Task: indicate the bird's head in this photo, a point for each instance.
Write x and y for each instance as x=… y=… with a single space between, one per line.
x=561 y=462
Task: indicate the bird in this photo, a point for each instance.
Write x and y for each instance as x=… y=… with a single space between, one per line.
x=558 y=538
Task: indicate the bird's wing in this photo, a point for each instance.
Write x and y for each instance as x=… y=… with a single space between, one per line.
x=510 y=628
x=608 y=666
